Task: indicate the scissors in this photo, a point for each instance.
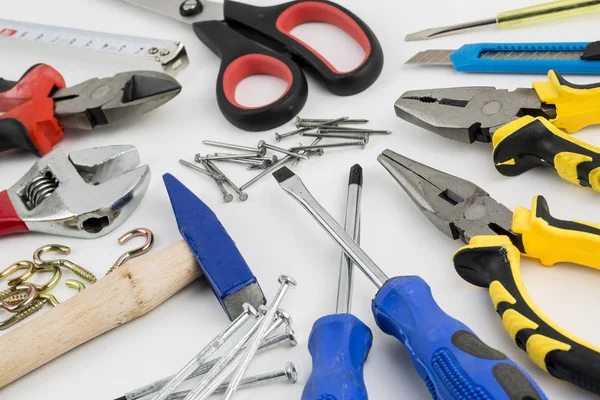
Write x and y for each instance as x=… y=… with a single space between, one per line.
x=253 y=40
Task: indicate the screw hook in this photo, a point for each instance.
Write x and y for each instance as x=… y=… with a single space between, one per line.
x=20 y=265
x=61 y=263
x=146 y=247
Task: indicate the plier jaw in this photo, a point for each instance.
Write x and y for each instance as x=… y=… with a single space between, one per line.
x=457 y=207
x=466 y=114
x=102 y=101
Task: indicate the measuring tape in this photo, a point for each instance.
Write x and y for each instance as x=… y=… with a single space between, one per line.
x=171 y=55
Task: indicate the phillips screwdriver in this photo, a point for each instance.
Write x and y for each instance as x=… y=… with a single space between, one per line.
x=449 y=357
x=339 y=344
x=541 y=12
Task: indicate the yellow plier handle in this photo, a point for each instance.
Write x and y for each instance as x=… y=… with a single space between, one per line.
x=494 y=262
x=529 y=142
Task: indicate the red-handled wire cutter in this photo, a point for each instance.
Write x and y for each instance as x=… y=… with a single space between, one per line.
x=255 y=40
x=39 y=105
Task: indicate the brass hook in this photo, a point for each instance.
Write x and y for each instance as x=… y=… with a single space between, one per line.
x=32 y=309
x=72 y=283
x=24 y=304
x=8 y=271
x=51 y=284
x=147 y=246
x=75 y=284
x=57 y=248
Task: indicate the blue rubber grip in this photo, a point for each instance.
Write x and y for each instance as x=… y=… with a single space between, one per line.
x=467 y=59
x=448 y=356
x=339 y=345
x=222 y=263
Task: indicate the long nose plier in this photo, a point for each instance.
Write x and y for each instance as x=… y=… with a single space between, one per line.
x=525 y=126
x=496 y=237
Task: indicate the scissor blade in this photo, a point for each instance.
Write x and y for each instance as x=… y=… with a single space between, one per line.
x=211 y=10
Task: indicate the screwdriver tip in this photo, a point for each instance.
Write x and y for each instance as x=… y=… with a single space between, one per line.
x=356 y=175
x=283 y=174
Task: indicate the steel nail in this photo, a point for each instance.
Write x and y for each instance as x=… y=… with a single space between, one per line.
x=279 y=136
x=300 y=123
x=289 y=374
x=261 y=152
x=286 y=282
x=263 y=144
x=333 y=135
x=227 y=197
x=206 y=382
x=206 y=352
x=234 y=364
x=196 y=168
x=214 y=157
x=342 y=129
x=241 y=195
x=269 y=343
x=361 y=143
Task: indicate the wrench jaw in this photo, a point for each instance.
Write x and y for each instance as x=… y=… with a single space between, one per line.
x=86 y=204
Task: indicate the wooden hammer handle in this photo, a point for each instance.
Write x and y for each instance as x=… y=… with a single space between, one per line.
x=129 y=292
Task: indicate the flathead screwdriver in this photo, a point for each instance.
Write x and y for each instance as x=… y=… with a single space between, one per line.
x=452 y=361
x=340 y=343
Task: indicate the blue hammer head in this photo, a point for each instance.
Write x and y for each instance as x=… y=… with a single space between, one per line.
x=225 y=269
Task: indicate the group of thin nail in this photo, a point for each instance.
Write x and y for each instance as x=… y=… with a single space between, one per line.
x=326 y=134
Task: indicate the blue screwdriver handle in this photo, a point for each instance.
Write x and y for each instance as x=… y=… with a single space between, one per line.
x=339 y=345
x=454 y=363
x=468 y=58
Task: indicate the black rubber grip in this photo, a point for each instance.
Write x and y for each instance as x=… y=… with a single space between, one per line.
x=481 y=266
x=591 y=52
x=262 y=23
x=14 y=135
x=565 y=82
x=542 y=211
x=231 y=47
x=534 y=145
x=356 y=175
x=6 y=85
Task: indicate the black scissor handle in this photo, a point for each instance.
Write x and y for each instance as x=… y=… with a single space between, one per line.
x=241 y=58
x=277 y=22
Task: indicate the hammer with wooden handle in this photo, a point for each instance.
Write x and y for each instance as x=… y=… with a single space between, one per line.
x=129 y=292
x=137 y=288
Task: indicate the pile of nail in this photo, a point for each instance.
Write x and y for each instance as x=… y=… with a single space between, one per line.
x=23 y=298
x=257 y=158
x=257 y=332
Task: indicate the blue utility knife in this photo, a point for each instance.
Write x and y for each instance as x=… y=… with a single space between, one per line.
x=225 y=269
x=579 y=58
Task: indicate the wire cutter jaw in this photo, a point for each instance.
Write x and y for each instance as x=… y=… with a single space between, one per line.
x=102 y=101
x=467 y=114
x=457 y=207
x=86 y=194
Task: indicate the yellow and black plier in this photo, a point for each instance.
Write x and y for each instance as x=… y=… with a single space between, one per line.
x=526 y=126
x=496 y=237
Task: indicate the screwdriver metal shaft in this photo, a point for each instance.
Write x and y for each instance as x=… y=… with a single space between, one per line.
x=352 y=226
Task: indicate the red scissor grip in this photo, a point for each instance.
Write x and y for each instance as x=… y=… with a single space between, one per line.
x=310 y=11
x=9 y=219
x=276 y=23
x=241 y=58
x=38 y=82
x=254 y=64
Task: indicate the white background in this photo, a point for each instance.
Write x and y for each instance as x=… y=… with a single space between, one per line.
x=272 y=232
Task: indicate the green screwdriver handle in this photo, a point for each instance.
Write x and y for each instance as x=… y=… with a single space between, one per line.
x=554 y=9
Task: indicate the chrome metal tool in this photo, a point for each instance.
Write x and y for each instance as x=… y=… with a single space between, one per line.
x=86 y=194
